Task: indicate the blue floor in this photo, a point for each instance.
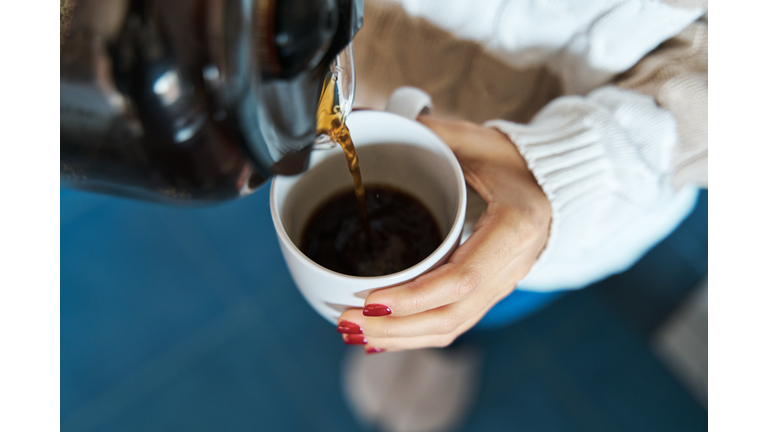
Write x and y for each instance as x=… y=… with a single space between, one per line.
x=179 y=319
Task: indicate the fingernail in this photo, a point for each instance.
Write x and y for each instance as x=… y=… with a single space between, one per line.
x=376 y=310
x=372 y=350
x=347 y=327
x=355 y=339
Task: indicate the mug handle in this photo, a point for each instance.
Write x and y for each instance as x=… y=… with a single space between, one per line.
x=410 y=102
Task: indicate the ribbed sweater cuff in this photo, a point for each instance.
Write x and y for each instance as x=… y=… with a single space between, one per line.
x=602 y=160
x=567 y=158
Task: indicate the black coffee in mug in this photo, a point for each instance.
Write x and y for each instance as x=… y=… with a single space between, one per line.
x=401 y=233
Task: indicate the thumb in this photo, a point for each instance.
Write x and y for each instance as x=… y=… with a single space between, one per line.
x=489 y=159
x=459 y=135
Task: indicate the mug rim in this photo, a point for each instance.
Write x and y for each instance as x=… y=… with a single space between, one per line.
x=451 y=239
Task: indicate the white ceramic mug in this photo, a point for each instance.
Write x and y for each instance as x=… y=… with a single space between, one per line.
x=393 y=150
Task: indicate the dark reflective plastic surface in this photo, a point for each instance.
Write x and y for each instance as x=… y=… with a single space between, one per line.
x=194 y=100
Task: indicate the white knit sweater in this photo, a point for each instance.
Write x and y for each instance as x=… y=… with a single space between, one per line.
x=616 y=155
x=604 y=162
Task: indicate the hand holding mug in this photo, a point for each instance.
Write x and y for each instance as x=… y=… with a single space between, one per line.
x=438 y=306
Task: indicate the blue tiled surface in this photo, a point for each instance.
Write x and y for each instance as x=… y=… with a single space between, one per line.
x=187 y=319
x=655 y=285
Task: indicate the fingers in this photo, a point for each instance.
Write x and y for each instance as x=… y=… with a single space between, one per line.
x=499 y=238
x=445 y=320
x=457 y=134
x=473 y=143
x=434 y=328
x=441 y=321
x=490 y=161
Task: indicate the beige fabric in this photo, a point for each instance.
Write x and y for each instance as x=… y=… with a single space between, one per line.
x=675 y=74
x=66 y=12
x=687 y=4
x=394 y=49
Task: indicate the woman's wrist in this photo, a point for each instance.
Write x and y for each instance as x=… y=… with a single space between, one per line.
x=536 y=200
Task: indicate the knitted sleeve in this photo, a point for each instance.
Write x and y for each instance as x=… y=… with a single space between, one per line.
x=611 y=160
x=675 y=74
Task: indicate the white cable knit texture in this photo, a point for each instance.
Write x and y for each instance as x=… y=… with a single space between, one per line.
x=603 y=161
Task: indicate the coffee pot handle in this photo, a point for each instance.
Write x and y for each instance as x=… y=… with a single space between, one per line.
x=410 y=102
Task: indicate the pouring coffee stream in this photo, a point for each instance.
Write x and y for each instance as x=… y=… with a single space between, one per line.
x=381 y=233
x=330 y=122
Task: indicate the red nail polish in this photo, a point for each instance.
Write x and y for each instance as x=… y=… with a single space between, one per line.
x=376 y=310
x=347 y=327
x=372 y=350
x=355 y=339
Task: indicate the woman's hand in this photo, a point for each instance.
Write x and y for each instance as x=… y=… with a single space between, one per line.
x=438 y=306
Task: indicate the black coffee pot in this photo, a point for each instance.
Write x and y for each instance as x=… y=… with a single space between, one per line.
x=194 y=101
